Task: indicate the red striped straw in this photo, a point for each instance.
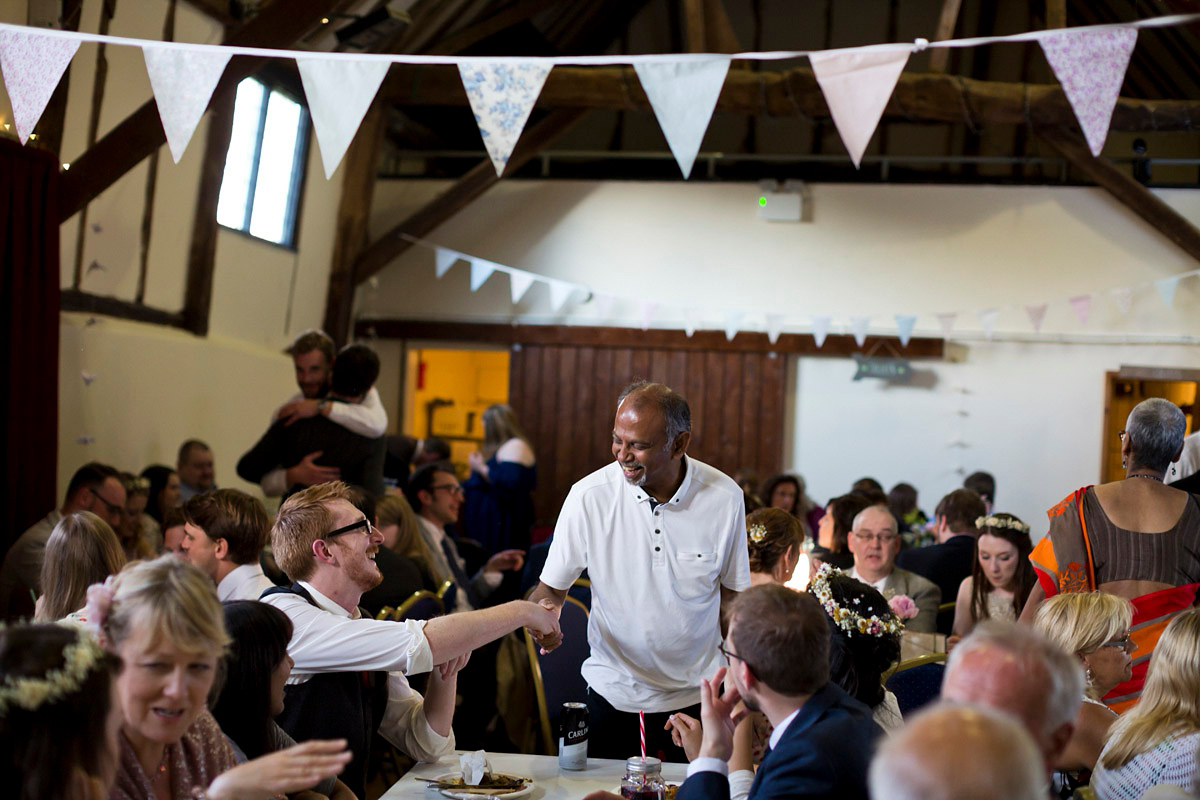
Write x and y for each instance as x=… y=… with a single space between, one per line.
x=642 y=729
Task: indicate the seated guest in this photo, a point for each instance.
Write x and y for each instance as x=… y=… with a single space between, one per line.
x=1095 y=628
x=173 y=532
x=1015 y=669
x=402 y=534
x=1155 y=742
x=832 y=546
x=787 y=492
x=94 y=487
x=401 y=576
x=774 y=539
x=1001 y=576
x=902 y=502
x=499 y=491
x=984 y=485
x=224 y=533
x=195 y=468
x=349 y=675
x=256 y=668
x=949 y=562
x=81 y=551
x=136 y=539
x=163 y=619
x=59 y=721
x=778 y=653
x=958 y=753
x=874 y=543
x=164 y=492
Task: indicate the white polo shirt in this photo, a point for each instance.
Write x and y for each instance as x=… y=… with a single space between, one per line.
x=656 y=578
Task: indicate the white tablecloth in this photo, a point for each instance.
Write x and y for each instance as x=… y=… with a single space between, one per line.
x=550 y=782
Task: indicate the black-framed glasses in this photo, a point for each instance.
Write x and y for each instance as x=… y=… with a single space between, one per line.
x=363 y=524
x=113 y=508
x=728 y=656
x=452 y=488
x=880 y=538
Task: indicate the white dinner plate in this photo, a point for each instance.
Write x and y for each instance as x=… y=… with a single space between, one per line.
x=459 y=794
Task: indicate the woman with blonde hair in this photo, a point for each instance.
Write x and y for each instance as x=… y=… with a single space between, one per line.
x=163 y=619
x=1094 y=627
x=81 y=550
x=402 y=534
x=499 y=493
x=1155 y=742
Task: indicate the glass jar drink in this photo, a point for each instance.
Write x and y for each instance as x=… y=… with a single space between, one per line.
x=643 y=779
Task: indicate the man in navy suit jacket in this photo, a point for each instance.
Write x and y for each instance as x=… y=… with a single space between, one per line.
x=778 y=654
x=952 y=559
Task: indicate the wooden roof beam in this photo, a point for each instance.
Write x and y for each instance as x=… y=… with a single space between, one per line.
x=918 y=97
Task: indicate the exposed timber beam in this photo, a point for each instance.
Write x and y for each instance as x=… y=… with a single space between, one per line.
x=500 y=21
x=139 y=134
x=918 y=97
x=693 y=24
x=1056 y=14
x=1166 y=220
x=469 y=187
x=939 y=57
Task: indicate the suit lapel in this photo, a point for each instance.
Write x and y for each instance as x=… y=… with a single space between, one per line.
x=812 y=711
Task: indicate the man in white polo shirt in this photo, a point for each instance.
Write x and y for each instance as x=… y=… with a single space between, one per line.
x=663 y=538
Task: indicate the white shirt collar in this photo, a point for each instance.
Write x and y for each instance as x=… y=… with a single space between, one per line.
x=325 y=604
x=437 y=532
x=777 y=734
x=643 y=496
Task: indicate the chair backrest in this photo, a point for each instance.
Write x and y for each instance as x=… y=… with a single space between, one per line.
x=420 y=605
x=387 y=612
x=556 y=675
x=917 y=682
x=945 y=618
x=581 y=590
x=448 y=594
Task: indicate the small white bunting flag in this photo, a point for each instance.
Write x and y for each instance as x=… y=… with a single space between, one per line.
x=339 y=92
x=947 y=322
x=648 y=308
x=774 y=327
x=1123 y=297
x=559 y=292
x=443 y=260
x=860 y=324
x=1166 y=289
x=904 y=328
x=683 y=95
x=820 y=329
x=732 y=320
x=520 y=281
x=183 y=82
x=987 y=318
x=481 y=270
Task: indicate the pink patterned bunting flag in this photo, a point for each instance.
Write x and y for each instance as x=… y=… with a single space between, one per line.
x=1036 y=315
x=501 y=95
x=1091 y=66
x=857 y=84
x=33 y=64
x=1082 y=305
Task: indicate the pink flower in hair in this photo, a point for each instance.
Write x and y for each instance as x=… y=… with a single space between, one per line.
x=903 y=606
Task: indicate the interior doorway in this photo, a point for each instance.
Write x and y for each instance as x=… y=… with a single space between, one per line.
x=1130 y=386
x=447 y=391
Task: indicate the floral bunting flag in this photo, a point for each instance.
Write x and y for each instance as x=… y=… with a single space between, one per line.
x=443 y=260
x=987 y=318
x=860 y=324
x=1166 y=289
x=947 y=322
x=183 y=82
x=501 y=95
x=774 y=327
x=1123 y=297
x=857 y=84
x=1091 y=66
x=683 y=95
x=732 y=320
x=481 y=270
x=904 y=327
x=559 y=292
x=339 y=92
x=647 y=308
x=1037 y=314
x=519 y=281
x=33 y=64
x=1081 y=305
x=820 y=329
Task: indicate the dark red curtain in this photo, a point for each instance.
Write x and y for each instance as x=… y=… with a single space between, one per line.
x=29 y=302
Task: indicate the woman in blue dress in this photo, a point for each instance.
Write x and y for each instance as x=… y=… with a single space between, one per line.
x=499 y=493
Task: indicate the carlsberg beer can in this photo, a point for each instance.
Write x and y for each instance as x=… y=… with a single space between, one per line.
x=573 y=735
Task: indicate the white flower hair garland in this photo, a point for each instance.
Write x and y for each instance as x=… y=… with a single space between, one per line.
x=849 y=621
x=31 y=693
x=1001 y=522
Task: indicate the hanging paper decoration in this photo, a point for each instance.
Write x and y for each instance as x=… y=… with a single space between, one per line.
x=183 y=82
x=1036 y=315
x=1166 y=289
x=339 y=92
x=559 y=292
x=947 y=322
x=1124 y=298
x=987 y=318
x=1091 y=66
x=519 y=281
x=443 y=260
x=1081 y=305
x=502 y=94
x=33 y=64
x=859 y=324
x=683 y=95
x=820 y=329
x=857 y=83
x=481 y=270
x=904 y=327
x=648 y=307
x=774 y=327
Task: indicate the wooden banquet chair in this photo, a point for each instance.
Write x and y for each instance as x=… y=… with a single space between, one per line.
x=556 y=677
x=917 y=682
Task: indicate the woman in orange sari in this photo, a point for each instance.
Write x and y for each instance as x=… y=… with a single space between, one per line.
x=1135 y=538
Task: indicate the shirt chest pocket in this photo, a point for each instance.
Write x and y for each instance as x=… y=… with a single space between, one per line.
x=695 y=574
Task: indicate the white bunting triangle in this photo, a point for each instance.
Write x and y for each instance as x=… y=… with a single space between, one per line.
x=559 y=292
x=519 y=281
x=904 y=328
x=683 y=95
x=987 y=318
x=1082 y=305
x=1037 y=314
x=444 y=259
x=774 y=327
x=604 y=304
x=857 y=84
x=1166 y=289
x=947 y=322
x=860 y=324
x=648 y=309
x=481 y=270
x=183 y=82
x=1123 y=296
x=689 y=322
x=1091 y=66
x=733 y=320
x=339 y=92
x=33 y=64
x=820 y=330
x=502 y=94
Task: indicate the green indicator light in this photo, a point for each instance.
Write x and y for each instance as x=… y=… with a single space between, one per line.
x=762 y=201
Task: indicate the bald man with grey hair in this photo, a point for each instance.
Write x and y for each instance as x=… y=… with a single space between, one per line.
x=1014 y=669
x=874 y=541
x=951 y=752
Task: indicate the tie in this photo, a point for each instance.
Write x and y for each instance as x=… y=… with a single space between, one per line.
x=466 y=594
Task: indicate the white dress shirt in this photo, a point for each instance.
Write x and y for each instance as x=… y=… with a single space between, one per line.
x=656 y=581
x=246 y=582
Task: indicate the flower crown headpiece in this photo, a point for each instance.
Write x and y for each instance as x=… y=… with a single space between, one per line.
x=757 y=532
x=848 y=620
x=31 y=693
x=1001 y=522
